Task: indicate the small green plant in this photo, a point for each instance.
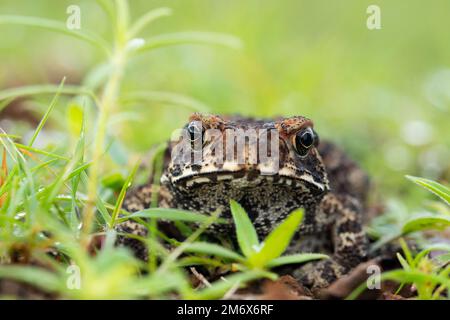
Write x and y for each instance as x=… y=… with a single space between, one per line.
x=258 y=255
x=439 y=219
x=103 y=84
x=60 y=199
x=430 y=277
x=112 y=273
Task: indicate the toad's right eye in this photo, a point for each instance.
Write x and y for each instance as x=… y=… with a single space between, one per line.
x=303 y=141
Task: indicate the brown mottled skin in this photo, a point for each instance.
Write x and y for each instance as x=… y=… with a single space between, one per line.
x=321 y=178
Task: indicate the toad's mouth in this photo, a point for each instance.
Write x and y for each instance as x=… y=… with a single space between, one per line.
x=248 y=178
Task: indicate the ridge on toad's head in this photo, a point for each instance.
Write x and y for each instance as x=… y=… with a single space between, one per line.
x=246 y=151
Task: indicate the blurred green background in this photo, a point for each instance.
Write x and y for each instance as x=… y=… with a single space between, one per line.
x=384 y=95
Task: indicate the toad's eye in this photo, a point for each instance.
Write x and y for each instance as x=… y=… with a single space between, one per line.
x=304 y=140
x=195 y=130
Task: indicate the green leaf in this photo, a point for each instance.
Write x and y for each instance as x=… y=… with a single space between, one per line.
x=47 y=114
x=32 y=275
x=189 y=38
x=74 y=118
x=428 y=249
x=406 y=251
x=75 y=179
x=213 y=249
x=426 y=223
x=438 y=189
x=198 y=261
x=403 y=262
x=169 y=214
x=221 y=286
x=415 y=276
x=404 y=276
x=79 y=170
x=56 y=26
x=245 y=232
x=146 y=19
x=100 y=204
x=114 y=180
x=50 y=192
x=295 y=258
x=278 y=240
x=159 y=283
x=101 y=207
x=122 y=194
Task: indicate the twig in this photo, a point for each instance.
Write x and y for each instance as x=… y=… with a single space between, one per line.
x=200 y=277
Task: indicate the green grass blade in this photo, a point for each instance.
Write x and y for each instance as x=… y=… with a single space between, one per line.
x=13 y=93
x=10 y=136
x=295 y=258
x=426 y=223
x=213 y=249
x=101 y=207
x=39 y=151
x=50 y=192
x=79 y=170
x=47 y=114
x=100 y=204
x=146 y=19
x=245 y=231
x=169 y=214
x=122 y=194
x=75 y=176
x=56 y=26
x=278 y=240
x=438 y=189
x=44 y=164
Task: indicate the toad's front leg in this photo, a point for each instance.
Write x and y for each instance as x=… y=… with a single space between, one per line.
x=349 y=242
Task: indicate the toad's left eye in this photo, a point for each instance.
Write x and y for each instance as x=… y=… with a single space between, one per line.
x=304 y=140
